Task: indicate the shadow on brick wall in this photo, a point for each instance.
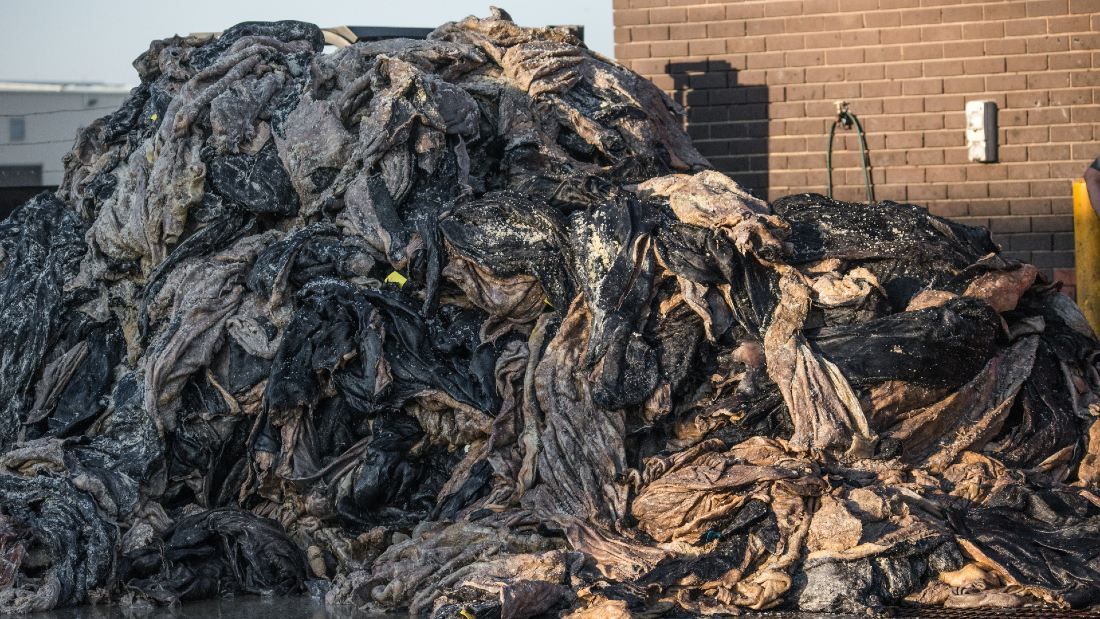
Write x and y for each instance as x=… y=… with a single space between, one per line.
x=727 y=121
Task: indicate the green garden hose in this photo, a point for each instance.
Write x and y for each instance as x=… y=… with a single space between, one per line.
x=848 y=119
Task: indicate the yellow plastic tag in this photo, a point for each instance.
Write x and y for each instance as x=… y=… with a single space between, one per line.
x=396 y=278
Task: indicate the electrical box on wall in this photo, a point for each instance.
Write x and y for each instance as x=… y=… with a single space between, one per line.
x=981 y=131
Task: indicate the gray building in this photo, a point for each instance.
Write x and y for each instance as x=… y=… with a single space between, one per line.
x=38 y=122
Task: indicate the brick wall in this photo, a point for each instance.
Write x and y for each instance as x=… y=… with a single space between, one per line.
x=759 y=78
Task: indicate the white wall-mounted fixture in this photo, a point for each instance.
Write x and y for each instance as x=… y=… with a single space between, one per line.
x=981 y=131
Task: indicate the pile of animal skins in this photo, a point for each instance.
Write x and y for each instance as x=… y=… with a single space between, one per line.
x=466 y=327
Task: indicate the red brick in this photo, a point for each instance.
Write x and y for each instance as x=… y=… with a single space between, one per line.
x=964 y=84
x=818 y=40
x=787 y=110
x=1072 y=60
x=672 y=15
x=631 y=50
x=985 y=208
x=756 y=27
x=905 y=175
x=842 y=21
x=864 y=72
x=899 y=63
x=963 y=49
x=1019 y=64
x=817 y=7
x=1050 y=188
x=904 y=140
x=803 y=92
x=649 y=33
x=946 y=174
x=1028 y=171
x=921 y=16
x=811 y=23
x=707 y=47
x=1025 y=27
x=953 y=209
x=1064 y=133
x=1057 y=25
x=979 y=66
x=884 y=19
x=884 y=124
x=904 y=70
x=1085 y=78
x=927 y=192
x=698 y=14
x=809 y=58
x=1057 y=223
x=983 y=30
x=773 y=60
x=1009 y=224
x=1012 y=118
x=824 y=74
x=943 y=67
x=924 y=51
x=968 y=13
x=882 y=54
x=719 y=30
x=925 y=156
x=1009 y=189
x=1040 y=8
x=998 y=47
x=844 y=56
x=785 y=76
x=881 y=158
x=943 y=138
x=982 y=172
x=871 y=5
x=1006 y=82
x=922 y=87
x=1027 y=135
x=968 y=190
x=746 y=45
x=841 y=91
x=1066 y=170
x=1075 y=96
x=1086 y=114
x=669 y=49
x=1040 y=45
x=946 y=32
x=784 y=42
x=631 y=17
x=897 y=36
x=1034 y=206
x=944 y=104
x=923 y=122
x=889 y=88
x=1004 y=10
x=744 y=10
x=1048 y=116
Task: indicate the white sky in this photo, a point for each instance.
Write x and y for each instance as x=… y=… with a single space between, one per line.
x=96 y=40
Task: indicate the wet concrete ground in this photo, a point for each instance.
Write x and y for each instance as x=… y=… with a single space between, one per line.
x=256 y=607
x=245 y=607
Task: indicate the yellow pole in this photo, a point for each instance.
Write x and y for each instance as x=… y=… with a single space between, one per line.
x=1086 y=234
